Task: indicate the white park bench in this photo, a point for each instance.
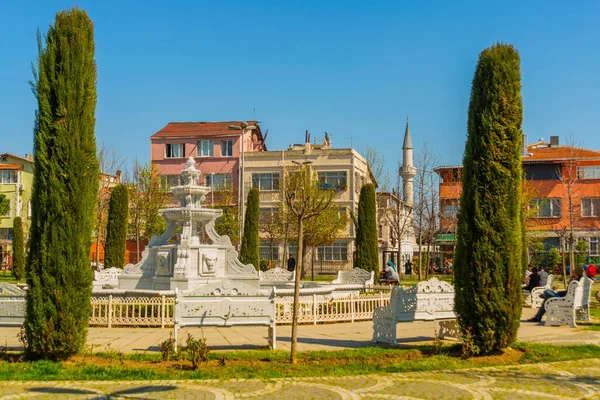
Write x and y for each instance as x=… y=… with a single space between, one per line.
x=426 y=301
x=571 y=308
x=225 y=303
x=533 y=298
x=277 y=275
x=12 y=305
x=107 y=278
x=356 y=276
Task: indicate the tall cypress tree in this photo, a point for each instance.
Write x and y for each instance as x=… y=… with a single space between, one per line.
x=116 y=228
x=18 y=246
x=65 y=186
x=249 y=249
x=488 y=267
x=367 y=247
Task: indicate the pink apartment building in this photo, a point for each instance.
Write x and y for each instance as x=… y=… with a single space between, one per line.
x=215 y=147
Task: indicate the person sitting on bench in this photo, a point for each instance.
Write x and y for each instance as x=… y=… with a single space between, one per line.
x=389 y=273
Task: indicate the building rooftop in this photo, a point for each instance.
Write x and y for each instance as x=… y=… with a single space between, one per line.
x=547 y=153
x=190 y=129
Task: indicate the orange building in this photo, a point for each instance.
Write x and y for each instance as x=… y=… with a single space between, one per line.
x=561 y=184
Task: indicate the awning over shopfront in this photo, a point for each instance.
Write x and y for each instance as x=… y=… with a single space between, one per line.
x=444 y=239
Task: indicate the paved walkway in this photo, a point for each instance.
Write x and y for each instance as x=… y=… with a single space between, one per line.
x=310 y=337
x=566 y=380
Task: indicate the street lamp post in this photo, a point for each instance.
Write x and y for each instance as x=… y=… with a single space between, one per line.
x=212 y=190
x=241 y=199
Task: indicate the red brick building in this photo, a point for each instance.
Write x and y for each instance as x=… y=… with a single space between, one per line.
x=562 y=186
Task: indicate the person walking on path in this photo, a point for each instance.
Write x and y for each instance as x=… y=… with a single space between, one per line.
x=291 y=263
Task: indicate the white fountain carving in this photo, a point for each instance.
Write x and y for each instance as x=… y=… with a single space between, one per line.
x=188 y=264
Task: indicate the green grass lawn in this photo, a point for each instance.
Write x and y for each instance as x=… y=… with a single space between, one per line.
x=9 y=278
x=274 y=364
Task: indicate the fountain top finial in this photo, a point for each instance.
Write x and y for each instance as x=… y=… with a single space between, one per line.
x=191 y=163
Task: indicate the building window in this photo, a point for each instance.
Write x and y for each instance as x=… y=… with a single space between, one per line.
x=7 y=176
x=268 y=252
x=168 y=181
x=594 y=246
x=546 y=208
x=588 y=172
x=267 y=214
x=174 y=150
x=590 y=207
x=293 y=251
x=226 y=148
x=337 y=251
x=219 y=181
x=6 y=234
x=265 y=181
x=336 y=180
x=380 y=231
x=450 y=210
x=205 y=148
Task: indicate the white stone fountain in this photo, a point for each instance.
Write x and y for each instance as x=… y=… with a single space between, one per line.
x=188 y=264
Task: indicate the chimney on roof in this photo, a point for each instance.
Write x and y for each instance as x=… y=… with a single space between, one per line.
x=553 y=141
x=307 y=137
x=525 y=153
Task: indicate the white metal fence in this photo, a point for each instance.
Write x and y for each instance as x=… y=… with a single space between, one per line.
x=132 y=311
x=158 y=311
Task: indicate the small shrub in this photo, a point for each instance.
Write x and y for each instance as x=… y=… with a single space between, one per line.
x=223 y=361
x=167 y=348
x=197 y=350
x=437 y=343
x=22 y=337
x=469 y=348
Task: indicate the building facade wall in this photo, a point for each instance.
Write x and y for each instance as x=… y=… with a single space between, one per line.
x=19 y=195
x=346 y=161
x=552 y=176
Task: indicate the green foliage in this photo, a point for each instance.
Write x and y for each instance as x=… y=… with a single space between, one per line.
x=4 y=204
x=167 y=348
x=145 y=199
x=538 y=254
x=228 y=223
x=249 y=249
x=18 y=249
x=116 y=228
x=324 y=228
x=581 y=252
x=197 y=351
x=488 y=267
x=367 y=256
x=65 y=188
x=553 y=259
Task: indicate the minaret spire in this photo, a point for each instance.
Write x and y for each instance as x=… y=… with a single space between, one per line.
x=407 y=171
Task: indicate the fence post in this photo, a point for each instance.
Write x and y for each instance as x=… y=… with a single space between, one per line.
x=352 y=306
x=315 y=308
x=109 y=311
x=380 y=299
x=162 y=312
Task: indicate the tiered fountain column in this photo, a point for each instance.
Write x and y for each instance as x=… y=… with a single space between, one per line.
x=188 y=264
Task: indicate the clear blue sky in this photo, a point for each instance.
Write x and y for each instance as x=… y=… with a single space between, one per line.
x=354 y=69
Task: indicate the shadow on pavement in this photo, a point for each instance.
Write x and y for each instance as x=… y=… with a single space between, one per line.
x=59 y=390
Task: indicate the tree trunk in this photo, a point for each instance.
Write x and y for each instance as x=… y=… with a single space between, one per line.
x=299 y=268
x=564 y=266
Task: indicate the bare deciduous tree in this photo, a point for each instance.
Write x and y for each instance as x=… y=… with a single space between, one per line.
x=304 y=200
x=426 y=205
x=376 y=164
x=109 y=163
